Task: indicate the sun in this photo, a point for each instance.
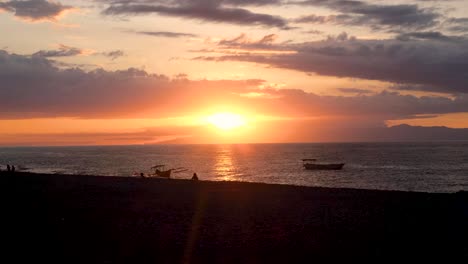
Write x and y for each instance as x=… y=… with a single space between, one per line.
x=226 y=121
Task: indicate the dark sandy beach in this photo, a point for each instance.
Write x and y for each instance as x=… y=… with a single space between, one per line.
x=87 y=219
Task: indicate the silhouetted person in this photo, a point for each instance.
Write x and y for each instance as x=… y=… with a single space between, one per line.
x=195 y=177
x=142 y=175
x=8 y=167
x=13 y=168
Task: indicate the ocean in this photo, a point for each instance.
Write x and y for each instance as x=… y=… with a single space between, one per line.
x=422 y=167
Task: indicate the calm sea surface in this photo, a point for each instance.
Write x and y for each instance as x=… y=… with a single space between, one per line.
x=428 y=167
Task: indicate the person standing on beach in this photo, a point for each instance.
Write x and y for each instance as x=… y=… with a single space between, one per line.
x=8 y=167
x=13 y=168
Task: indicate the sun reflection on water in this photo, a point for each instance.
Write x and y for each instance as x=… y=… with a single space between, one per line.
x=224 y=168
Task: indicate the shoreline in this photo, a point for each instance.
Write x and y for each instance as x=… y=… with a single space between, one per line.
x=109 y=219
x=21 y=172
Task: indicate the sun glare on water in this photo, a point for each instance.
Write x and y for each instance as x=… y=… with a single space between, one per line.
x=226 y=121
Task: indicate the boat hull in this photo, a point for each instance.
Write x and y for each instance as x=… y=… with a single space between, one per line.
x=310 y=166
x=162 y=174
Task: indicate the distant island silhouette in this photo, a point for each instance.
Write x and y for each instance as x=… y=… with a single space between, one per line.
x=398 y=133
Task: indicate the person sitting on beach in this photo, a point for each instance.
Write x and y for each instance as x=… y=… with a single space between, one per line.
x=195 y=177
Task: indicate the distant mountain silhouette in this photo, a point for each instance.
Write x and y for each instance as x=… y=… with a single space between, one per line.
x=418 y=133
x=401 y=133
x=398 y=133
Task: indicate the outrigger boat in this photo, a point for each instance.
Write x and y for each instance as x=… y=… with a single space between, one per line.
x=310 y=164
x=159 y=171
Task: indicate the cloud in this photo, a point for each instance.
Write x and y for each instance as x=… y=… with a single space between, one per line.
x=431 y=35
x=378 y=17
x=33 y=87
x=63 y=51
x=35 y=10
x=422 y=59
x=243 y=40
x=208 y=11
x=243 y=44
x=147 y=135
x=67 y=51
x=354 y=90
x=249 y=2
x=166 y=34
x=199 y=2
x=458 y=25
x=380 y=106
x=313 y=32
x=113 y=55
x=341 y=19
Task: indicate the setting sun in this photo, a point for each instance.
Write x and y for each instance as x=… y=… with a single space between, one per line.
x=226 y=121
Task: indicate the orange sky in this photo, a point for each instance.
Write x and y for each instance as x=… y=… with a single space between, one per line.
x=95 y=72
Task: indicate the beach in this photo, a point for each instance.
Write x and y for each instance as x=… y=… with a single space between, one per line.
x=92 y=219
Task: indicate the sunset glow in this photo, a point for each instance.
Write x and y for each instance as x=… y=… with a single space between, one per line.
x=145 y=71
x=226 y=121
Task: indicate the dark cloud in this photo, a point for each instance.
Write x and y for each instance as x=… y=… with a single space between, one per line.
x=378 y=17
x=431 y=35
x=340 y=37
x=63 y=51
x=33 y=87
x=249 y=2
x=243 y=41
x=113 y=55
x=212 y=11
x=244 y=44
x=166 y=34
x=457 y=25
x=382 y=106
x=313 y=32
x=330 y=19
x=199 y=2
x=268 y=39
x=354 y=90
x=35 y=10
x=432 y=64
x=67 y=51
